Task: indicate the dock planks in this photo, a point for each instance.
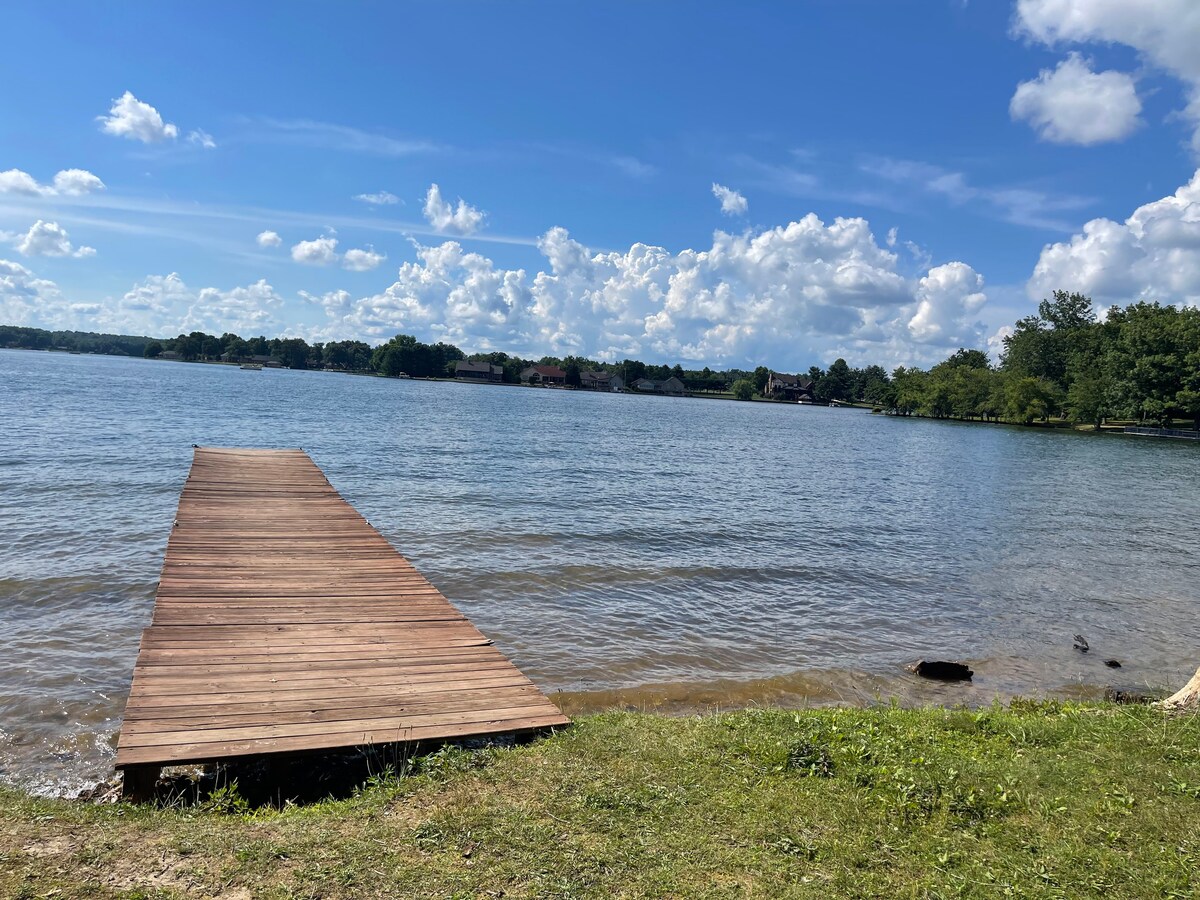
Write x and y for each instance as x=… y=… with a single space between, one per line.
x=285 y=622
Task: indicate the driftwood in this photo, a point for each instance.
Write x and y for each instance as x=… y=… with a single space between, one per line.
x=1187 y=697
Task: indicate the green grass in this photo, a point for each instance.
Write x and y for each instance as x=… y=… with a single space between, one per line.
x=1040 y=800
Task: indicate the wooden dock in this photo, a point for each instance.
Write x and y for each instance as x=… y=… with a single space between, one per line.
x=285 y=622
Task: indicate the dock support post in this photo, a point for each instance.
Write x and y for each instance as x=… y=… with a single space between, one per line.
x=138 y=783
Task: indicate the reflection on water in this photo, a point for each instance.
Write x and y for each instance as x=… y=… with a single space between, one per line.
x=653 y=552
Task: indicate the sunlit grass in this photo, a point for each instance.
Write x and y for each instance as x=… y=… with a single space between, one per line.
x=1041 y=800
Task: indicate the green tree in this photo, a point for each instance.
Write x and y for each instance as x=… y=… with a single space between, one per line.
x=835 y=384
x=1187 y=398
x=237 y=349
x=908 y=386
x=633 y=370
x=743 y=389
x=761 y=375
x=1044 y=346
x=1088 y=396
x=572 y=370
x=210 y=347
x=1152 y=347
x=346 y=356
x=153 y=350
x=291 y=352
x=1067 y=312
x=873 y=386
x=1028 y=399
x=188 y=346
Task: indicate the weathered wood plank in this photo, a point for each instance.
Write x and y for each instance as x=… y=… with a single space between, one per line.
x=284 y=622
x=208 y=752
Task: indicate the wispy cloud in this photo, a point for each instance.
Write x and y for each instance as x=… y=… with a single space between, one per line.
x=791 y=181
x=630 y=165
x=330 y=136
x=1015 y=204
x=380 y=198
x=132 y=214
x=625 y=163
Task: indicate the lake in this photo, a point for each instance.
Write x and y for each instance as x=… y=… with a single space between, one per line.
x=643 y=551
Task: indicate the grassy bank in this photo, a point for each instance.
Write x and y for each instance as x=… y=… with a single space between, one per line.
x=1041 y=801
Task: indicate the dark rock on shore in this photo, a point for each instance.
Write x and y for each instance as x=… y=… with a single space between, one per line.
x=1112 y=663
x=941 y=670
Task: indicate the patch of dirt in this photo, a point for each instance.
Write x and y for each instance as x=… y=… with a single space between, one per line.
x=60 y=845
x=166 y=872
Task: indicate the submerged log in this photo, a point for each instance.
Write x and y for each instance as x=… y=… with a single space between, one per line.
x=941 y=670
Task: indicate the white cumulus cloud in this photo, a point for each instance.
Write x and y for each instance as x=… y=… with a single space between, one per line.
x=947 y=297
x=1153 y=255
x=1165 y=33
x=49 y=239
x=14 y=181
x=443 y=216
x=68 y=182
x=381 y=198
x=1074 y=105
x=321 y=251
x=362 y=260
x=793 y=295
x=732 y=203
x=26 y=299
x=165 y=305
x=130 y=118
x=76 y=182
x=268 y=239
x=335 y=303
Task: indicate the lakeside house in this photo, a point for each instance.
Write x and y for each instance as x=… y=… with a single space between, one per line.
x=789 y=387
x=258 y=359
x=601 y=381
x=543 y=375
x=478 y=371
x=671 y=386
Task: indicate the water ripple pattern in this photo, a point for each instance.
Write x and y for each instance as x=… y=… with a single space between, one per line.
x=606 y=542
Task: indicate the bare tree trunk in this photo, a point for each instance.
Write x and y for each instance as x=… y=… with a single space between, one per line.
x=1187 y=697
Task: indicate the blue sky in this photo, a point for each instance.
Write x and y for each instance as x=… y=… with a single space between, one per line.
x=899 y=178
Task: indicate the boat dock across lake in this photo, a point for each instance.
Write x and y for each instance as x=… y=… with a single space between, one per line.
x=285 y=622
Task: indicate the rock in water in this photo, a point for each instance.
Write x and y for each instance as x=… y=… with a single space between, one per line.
x=1112 y=663
x=1081 y=643
x=941 y=670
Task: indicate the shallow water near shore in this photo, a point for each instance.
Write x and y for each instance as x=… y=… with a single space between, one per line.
x=636 y=551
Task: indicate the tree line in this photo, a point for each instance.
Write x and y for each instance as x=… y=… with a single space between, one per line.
x=23 y=338
x=1140 y=362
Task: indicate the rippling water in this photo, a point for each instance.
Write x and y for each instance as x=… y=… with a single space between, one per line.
x=620 y=549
